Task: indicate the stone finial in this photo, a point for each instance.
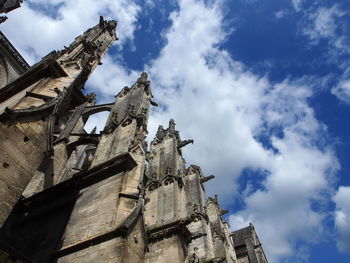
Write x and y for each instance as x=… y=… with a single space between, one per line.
x=205 y=209
x=160 y=129
x=57 y=90
x=102 y=21
x=112 y=24
x=172 y=125
x=194 y=258
x=160 y=132
x=143 y=78
x=168 y=171
x=195 y=208
x=91 y=97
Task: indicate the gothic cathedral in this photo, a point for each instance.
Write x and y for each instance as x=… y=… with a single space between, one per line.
x=69 y=196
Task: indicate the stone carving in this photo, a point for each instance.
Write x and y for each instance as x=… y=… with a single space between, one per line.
x=132 y=217
x=91 y=98
x=184 y=143
x=194 y=169
x=144 y=81
x=217 y=234
x=193 y=258
x=197 y=215
x=168 y=171
x=126 y=122
x=131 y=104
x=153 y=184
x=172 y=126
x=206 y=178
x=168 y=180
x=123 y=92
x=162 y=133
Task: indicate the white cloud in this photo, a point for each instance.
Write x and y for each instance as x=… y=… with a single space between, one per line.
x=205 y=95
x=297 y=4
x=110 y=78
x=323 y=23
x=342 y=218
x=342 y=91
x=225 y=108
x=280 y=14
x=330 y=25
x=35 y=32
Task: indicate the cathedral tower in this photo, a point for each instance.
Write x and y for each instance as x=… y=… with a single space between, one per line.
x=42 y=115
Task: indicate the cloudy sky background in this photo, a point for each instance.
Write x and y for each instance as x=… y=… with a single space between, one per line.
x=262 y=86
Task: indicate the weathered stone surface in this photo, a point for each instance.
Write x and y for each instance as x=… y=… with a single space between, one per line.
x=168 y=249
x=26 y=139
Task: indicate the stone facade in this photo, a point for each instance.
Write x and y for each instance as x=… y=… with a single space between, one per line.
x=12 y=64
x=247 y=245
x=69 y=196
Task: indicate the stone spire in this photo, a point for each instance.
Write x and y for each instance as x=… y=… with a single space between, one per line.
x=86 y=51
x=126 y=126
x=44 y=105
x=166 y=155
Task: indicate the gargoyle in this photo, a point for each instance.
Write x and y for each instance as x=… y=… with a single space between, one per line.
x=184 y=143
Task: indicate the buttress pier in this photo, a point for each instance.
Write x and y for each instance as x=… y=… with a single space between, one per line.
x=72 y=196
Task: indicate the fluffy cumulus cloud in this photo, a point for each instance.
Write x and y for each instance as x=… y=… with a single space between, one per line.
x=239 y=120
x=201 y=87
x=110 y=78
x=40 y=26
x=342 y=218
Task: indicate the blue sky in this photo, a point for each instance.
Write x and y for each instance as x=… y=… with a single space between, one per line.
x=263 y=88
